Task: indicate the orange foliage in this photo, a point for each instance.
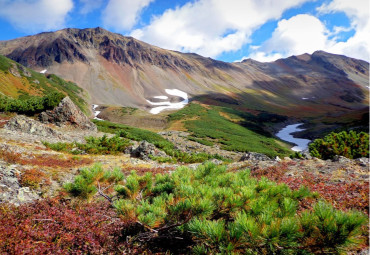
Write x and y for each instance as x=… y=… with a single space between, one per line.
x=43 y=160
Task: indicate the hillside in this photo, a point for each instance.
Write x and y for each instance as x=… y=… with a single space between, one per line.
x=122 y=71
x=19 y=82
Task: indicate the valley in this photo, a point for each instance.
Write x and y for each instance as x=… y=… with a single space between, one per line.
x=156 y=151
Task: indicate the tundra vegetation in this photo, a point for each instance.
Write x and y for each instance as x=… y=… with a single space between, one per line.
x=350 y=144
x=211 y=210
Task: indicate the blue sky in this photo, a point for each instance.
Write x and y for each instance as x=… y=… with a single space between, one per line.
x=228 y=30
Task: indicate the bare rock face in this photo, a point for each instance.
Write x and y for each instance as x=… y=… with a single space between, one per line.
x=27 y=125
x=254 y=156
x=10 y=189
x=67 y=113
x=145 y=149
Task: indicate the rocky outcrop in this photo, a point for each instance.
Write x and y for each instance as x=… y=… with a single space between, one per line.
x=254 y=156
x=145 y=149
x=10 y=189
x=27 y=125
x=67 y=113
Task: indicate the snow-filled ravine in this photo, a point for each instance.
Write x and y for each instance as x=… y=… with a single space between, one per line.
x=96 y=113
x=285 y=134
x=167 y=105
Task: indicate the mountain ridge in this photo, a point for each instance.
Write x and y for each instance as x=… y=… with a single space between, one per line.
x=119 y=70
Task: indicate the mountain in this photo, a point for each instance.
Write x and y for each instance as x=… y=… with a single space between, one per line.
x=119 y=70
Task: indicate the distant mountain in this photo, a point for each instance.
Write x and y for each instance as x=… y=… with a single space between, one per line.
x=119 y=70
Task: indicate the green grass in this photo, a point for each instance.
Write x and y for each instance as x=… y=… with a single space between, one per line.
x=138 y=134
x=246 y=136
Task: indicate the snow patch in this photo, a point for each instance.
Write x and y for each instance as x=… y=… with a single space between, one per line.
x=43 y=71
x=161 y=97
x=96 y=113
x=168 y=105
x=305 y=98
x=285 y=134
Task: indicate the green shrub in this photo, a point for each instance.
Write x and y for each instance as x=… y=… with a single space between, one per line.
x=31 y=105
x=229 y=213
x=348 y=144
x=297 y=155
x=93 y=145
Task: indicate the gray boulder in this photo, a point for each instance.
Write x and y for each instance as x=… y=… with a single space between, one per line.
x=67 y=113
x=27 y=125
x=145 y=149
x=254 y=156
x=10 y=189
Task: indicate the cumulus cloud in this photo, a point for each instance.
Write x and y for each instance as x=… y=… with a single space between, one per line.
x=211 y=27
x=305 y=34
x=299 y=34
x=35 y=15
x=358 y=11
x=123 y=14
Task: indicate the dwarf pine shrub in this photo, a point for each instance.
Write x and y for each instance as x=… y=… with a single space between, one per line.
x=32 y=104
x=93 y=145
x=229 y=212
x=348 y=144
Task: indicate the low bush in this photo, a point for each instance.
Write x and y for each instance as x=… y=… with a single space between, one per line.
x=33 y=178
x=348 y=144
x=93 y=145
x=230 y=213
x=31 y=105
x=53 y=226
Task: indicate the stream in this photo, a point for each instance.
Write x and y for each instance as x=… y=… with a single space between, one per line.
x=285 y=134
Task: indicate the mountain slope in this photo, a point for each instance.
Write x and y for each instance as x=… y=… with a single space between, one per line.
x=118 y=70
x=19 y=82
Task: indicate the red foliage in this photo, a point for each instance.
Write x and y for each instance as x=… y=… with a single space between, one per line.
x=33 y=178
x=343 y=195
x=42 y=160
x=59 y=227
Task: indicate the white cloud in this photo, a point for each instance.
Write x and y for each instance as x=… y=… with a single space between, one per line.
x=123 y=14
x=358 y=12
x=89 y=6
x=304 y=33
x=211 y=27
x=35 y=15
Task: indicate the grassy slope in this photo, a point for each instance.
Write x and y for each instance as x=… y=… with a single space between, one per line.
x=247 y=135
x=37 y=84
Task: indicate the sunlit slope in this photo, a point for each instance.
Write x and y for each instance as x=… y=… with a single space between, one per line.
x=17 y=81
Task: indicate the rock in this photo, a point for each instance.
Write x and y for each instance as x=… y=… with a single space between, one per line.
x=215 y=161
x=340 y=159
x=287 y=159
x=277 y=159
x=27 y=125
x=306 y=154
x=145 y=149
x=254 y=156
x=67 y=113
x=14 y=70
x=25 y=71
x=10 y=189
x=363 y=161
